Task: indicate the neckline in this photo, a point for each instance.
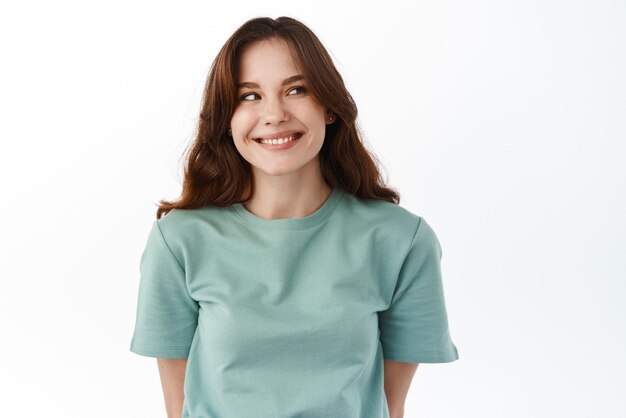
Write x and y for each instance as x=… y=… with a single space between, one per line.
x=290 y=223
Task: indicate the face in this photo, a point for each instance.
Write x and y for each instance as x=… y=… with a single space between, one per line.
x=273 y=102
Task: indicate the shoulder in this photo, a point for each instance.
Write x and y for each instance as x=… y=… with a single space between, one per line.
x=182 y=224
x=389 y=229
x=385 y=225
x=393 y=217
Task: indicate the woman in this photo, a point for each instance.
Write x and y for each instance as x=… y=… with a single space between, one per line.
x=286 y=281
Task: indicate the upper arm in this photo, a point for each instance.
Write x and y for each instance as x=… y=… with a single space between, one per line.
x=172 y=372
x=167 y=315
x=414 y=328
x=398 y=377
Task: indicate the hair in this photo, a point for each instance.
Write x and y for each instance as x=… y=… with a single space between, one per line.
x=216 y=174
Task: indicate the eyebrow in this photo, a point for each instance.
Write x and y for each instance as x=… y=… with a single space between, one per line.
x=251 y=85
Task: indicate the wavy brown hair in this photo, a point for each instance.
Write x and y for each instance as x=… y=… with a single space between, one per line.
x=216 y=174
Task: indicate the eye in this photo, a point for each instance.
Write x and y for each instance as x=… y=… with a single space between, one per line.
x=298 y=88
x=246 y=95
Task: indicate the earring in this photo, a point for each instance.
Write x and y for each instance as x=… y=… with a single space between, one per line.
x=330 y=118
x=230 y=133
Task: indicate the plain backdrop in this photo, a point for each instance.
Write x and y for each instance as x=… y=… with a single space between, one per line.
x=502 y=123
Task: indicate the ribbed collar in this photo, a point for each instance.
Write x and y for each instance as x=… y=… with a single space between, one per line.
x=294 y=223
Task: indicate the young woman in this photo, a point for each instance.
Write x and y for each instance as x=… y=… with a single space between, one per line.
x=286 y=281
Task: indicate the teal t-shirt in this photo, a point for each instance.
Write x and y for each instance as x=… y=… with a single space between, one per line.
x=285 y=318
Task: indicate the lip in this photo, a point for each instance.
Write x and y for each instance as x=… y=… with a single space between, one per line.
x=283 y=134
x=278 y=147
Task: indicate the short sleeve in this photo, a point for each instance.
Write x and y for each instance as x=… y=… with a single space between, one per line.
x=414 y=328
x=167 y=315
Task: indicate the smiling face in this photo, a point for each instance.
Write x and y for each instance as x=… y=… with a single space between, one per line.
x=273 y=99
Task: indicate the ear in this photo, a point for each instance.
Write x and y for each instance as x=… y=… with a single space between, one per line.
x=330 y=117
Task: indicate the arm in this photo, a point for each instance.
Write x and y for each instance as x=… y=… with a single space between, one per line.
x=398 y=376
x=172 y=372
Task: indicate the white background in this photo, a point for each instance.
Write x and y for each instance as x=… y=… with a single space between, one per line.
x=502 y=123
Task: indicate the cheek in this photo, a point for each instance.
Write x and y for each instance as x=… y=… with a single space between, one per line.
x=312 y=115
x=241 y=121
x=235 y=121
x=243 y=148
x=317 y=122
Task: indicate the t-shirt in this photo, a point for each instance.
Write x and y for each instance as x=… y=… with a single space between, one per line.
x=286 y=318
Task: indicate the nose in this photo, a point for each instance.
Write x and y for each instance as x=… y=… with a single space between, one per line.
x=274 y=111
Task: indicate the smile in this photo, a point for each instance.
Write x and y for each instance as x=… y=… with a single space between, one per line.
x=278 y=141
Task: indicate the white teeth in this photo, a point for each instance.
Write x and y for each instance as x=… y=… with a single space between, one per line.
x=278 y=141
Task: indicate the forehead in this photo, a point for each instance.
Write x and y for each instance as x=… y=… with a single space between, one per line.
x=266 y=62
